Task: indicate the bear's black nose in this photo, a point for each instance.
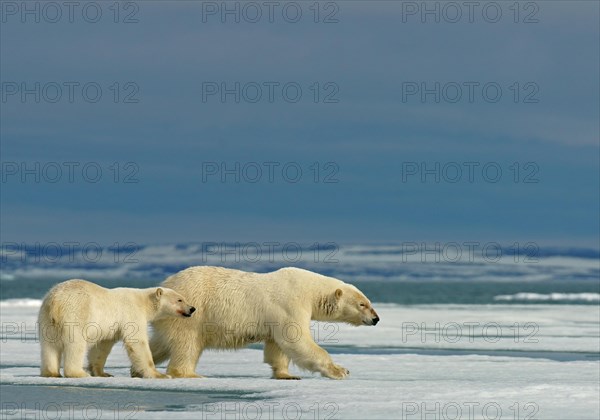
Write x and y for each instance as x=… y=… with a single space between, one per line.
x=375 y=320
x=192 y=310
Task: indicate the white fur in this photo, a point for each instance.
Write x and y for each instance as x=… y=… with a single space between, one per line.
x=237 y=308
x=77 y=315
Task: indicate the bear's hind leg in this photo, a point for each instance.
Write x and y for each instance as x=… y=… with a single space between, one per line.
x=51 y=355
x=278 y=360
x=159 y=347
x=185 y=353
x=97 y=357
x=74 y=357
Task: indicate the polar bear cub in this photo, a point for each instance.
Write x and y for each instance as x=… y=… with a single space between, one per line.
x=78 y=315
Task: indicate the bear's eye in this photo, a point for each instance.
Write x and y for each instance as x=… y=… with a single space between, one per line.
x=362 y=305
x=180 y=300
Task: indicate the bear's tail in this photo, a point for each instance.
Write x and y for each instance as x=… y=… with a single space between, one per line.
x=49 y=327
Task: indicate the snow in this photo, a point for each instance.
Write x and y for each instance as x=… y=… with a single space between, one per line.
x=396 y=371
x=18 y=303
x=587 y=297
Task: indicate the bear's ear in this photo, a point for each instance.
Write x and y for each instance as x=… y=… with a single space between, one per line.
x=338 y=294
x=159 y=292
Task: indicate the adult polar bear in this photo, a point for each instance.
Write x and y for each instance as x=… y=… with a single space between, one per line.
x=237 y=308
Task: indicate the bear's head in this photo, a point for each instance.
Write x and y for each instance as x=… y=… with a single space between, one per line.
x=171 y=303
x=350 y=305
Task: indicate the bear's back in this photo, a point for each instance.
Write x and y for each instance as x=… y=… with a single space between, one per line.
x=209 y=279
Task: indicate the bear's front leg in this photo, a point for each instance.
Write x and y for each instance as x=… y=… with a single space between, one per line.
x=97 y=357
x=278 y=360
x=142 y=365
x=308 y=355
x=334 y=371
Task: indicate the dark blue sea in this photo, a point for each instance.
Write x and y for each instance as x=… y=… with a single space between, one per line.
x=391 y=273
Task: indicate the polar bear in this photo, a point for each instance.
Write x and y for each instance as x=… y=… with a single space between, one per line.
x=77 y=315
x=238 y=308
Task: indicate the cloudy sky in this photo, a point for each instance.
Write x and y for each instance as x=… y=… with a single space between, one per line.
x=482 y=126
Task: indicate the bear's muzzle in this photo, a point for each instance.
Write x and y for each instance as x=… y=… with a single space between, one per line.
x=189 y=313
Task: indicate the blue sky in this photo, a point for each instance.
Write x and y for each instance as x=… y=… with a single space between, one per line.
x=370 y=134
